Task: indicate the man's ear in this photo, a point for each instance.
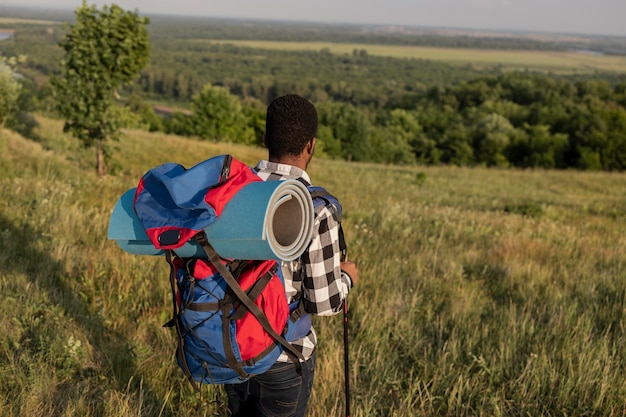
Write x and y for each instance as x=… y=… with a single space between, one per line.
x=310 y=147
x=264 y=140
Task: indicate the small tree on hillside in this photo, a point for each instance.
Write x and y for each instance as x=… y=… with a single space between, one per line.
x=9 y=88
x=103 y=50
x=219 y=115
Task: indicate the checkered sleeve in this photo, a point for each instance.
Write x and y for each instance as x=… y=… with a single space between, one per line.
x=324 y=286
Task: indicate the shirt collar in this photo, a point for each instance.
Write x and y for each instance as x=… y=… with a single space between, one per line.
x=285 y=170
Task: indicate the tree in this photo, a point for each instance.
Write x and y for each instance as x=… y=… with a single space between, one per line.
x=219 y=115
x=9 y=89
x=103 y=50
x=350 y=126
x=404 y=140
x=492 y=135
x=328 y=146
x=149 y=118
x=536 y=146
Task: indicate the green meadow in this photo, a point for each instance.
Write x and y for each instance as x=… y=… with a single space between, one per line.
x=482 y=292
x=557 y=62
x=20 y=21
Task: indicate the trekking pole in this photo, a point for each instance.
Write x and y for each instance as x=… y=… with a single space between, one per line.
x=345 y=355
x=346 y=361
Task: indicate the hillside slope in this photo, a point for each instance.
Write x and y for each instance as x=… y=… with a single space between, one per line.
x=492 y=292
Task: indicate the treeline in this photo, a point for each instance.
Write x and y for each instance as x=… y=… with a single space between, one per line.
x=517 y=120
x=524 y=121
x=389 y=110
x=179 y=70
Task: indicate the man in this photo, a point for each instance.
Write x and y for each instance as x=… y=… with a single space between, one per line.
x=319 y=278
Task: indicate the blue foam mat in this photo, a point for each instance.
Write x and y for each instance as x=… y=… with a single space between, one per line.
x=242 y=230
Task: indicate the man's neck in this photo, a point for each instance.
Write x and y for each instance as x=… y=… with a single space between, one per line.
x=295 y=161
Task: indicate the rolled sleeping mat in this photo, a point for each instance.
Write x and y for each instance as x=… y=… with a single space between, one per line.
x=264 y=220
x=126 y=229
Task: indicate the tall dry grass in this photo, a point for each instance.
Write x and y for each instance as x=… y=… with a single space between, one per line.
x=482 y=292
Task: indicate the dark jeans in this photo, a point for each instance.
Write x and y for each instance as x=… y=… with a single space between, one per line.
x=279 y=392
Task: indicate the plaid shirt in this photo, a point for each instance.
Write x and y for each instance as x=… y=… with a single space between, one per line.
x=316 y=277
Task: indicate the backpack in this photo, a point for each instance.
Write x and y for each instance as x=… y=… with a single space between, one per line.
x=231 y=315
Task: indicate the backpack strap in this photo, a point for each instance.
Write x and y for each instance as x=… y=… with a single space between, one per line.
x=329 y=199
x=215 y=259
x=256 y=289
x=318 y=192
x=176 y=322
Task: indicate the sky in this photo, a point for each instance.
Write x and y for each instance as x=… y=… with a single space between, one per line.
x=597 y=17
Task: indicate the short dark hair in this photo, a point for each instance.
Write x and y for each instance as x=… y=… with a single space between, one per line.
x=290 y=124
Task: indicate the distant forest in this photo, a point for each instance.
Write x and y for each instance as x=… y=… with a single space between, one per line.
x=372 y=108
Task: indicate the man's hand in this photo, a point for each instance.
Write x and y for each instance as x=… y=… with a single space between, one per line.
x=350 y=268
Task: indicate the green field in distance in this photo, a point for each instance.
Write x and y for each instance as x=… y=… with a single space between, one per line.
x=549 y=61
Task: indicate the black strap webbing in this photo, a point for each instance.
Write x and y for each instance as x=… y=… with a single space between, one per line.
x=215 y=259
x=256 y=290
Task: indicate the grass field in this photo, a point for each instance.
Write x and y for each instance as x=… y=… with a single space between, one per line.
x=18 y=21
x=556 y=62
x=482 y=292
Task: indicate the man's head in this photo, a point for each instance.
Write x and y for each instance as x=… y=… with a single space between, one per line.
x=290 y=127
